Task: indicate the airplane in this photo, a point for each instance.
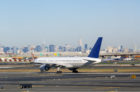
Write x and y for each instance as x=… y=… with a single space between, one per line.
x=72 y=63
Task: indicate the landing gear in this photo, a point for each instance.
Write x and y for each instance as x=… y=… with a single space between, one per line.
x=74 y=70
x=58 y=70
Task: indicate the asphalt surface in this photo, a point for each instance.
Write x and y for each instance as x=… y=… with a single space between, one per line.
x=67 y=82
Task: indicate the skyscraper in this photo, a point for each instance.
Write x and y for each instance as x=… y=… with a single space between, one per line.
x=86 y=47
x=52 y=48
x=80 y=43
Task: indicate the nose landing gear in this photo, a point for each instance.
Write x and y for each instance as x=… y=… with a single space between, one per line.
x=58 y=70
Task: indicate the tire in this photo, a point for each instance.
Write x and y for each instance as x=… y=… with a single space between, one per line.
x=59 y=72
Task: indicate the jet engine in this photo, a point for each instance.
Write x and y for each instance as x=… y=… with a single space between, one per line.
x=44 y=67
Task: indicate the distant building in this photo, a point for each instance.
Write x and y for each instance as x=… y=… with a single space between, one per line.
x=6 y=49
x=120 y=48
x=38 y=48
x=46 y=49
x=78 y=49
x=86 y=47
x=131 y=50
x=1 y=50
x=80 y=45
x=109 y=49
x=14 y=50
x=25 y=49
x=62 y=49
x=51 y=48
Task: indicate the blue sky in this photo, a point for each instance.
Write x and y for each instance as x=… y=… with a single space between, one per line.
x=24 y=22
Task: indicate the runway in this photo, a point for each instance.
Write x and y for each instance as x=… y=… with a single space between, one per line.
x=14 y=77
x=69 y=82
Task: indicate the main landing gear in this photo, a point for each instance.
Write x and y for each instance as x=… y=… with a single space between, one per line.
x=74 y=70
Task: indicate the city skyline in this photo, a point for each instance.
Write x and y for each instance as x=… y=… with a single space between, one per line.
x=78 y=43
x=66 y=22
x=64 y=48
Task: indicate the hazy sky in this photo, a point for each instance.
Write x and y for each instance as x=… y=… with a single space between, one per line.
x=24 y=22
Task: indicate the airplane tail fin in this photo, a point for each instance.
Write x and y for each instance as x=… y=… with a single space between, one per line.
x=96 y=49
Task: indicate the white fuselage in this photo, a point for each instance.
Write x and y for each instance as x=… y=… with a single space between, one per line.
x=69 y=62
